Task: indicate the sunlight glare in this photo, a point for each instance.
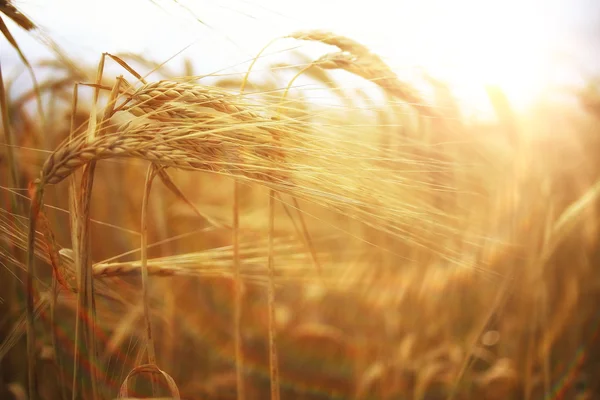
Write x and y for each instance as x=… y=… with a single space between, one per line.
x=511 y=44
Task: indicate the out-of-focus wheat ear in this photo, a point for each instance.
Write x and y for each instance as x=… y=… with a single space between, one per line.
x=273 y=359
x=16 y=204
x=13 y=43
x=151 y=173
x=149 y=369
x=188 y=67
x=373 y=69
x=75 y=70
x=359 y=60
x=341 y=42
x=568 y=221
x=13 y=168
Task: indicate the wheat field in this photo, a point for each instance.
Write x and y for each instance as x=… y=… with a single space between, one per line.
x=176 y=235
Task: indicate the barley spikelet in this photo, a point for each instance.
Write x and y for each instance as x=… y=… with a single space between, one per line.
x=189 y=147
x=170 y=99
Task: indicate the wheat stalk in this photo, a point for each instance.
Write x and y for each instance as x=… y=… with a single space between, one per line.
x=150 y=348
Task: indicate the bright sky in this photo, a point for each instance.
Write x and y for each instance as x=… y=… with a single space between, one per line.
x=521 y=45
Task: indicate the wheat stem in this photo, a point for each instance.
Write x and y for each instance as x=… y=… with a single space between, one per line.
x=273 y=359
x=151 y=173
x=34 y=210
x=239 y=294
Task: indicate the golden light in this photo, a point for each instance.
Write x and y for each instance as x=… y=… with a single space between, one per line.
x=470 y=44
x=511 y=44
